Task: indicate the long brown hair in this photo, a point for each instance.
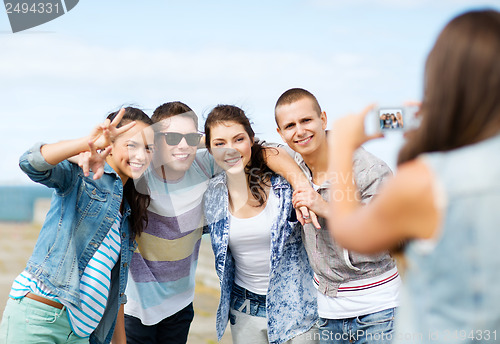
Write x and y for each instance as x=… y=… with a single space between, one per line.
x=137 y=201
x=461 y=103
x=257 y=171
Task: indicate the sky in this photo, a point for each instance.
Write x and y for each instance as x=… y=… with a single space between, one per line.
x=60 y=79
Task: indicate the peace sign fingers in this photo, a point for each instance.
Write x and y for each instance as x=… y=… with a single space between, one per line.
x=113 y=130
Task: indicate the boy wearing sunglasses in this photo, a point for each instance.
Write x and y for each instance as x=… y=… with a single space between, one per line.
x=161 y=282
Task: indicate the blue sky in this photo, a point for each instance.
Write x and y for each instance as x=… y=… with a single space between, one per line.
x=60 y=79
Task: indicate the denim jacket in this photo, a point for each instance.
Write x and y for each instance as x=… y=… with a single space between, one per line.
x=452 y=289
x=291 y=303
x=81 y=213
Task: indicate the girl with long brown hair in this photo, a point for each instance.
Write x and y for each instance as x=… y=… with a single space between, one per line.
x=267 y=292
x=443 y=202
x=72 y=288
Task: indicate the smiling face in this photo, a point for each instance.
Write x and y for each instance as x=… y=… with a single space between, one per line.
x=172 y=161
x=132 y=151
x=231 y=146
x=301 y=126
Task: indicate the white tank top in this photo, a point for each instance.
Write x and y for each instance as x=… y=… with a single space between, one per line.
x=250 y=245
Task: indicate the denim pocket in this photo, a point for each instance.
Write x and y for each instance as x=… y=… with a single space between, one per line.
x=376 y=327
x=90 y=199
x=41 y=315
x=376 y=318
x=322 y=322
x=41 y=321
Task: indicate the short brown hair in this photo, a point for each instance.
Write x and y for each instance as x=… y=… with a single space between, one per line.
x=293 y=95
x=171 y=109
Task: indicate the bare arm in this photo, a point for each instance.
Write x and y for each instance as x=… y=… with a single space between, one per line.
x=404 y=208
x=280 y=162
x=85 y=149
x=101 y=136
x=283 y=164
x=119 y=336
x=54 y=153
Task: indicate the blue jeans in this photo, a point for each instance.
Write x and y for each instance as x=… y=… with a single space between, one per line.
x=173 y=330
x=249 y=322
x=374 y=328
x=247 y=302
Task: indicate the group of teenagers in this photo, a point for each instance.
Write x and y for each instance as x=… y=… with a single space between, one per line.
x=391 y=121
x=300 y=231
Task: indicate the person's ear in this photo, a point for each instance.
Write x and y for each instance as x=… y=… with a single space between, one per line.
x=278 y=130
x=324 y=119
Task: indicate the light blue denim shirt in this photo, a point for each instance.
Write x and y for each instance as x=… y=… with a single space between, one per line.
x=81 y=213
x=291 y=303
x=452 y=287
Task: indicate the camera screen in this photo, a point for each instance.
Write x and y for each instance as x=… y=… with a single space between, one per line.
x=391 y=118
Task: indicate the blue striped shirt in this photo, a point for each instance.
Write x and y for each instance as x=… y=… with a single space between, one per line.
x=94 y=285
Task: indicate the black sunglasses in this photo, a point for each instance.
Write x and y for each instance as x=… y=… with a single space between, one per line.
x=173 y=139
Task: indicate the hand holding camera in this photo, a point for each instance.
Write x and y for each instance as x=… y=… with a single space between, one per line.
x=392 y=118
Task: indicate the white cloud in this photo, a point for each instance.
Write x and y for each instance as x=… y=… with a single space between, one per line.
x=55 y=59
x=56 y=88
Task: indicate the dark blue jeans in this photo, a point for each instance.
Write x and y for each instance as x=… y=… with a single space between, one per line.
x=374 y=328
x=247 y=302
x=172 y=330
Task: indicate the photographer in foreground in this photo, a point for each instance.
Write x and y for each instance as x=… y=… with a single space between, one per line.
x=444 y=199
